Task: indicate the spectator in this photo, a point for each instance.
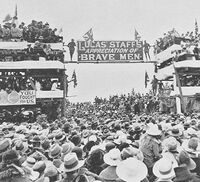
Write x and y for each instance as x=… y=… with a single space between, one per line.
x=71 y=46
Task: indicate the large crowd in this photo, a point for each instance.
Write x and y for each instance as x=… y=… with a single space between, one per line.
x=35 y=31
x=123 y=139
x=173 y=37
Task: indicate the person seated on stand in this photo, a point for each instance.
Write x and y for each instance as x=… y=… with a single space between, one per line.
x=6 y=32
x=38 y=50
x=29 y=52
x=48 y=51
x=16 y=33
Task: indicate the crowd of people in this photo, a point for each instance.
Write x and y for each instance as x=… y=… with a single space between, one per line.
x=36 y=30
x=173 y=37
x=108 y=140
x=16 y=81
x=190 y=80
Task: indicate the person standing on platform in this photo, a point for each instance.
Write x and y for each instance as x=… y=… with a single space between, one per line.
x=71 y=46
x=154 y=84
x=146 y=50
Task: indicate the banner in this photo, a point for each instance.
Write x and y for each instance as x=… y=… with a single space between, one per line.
x=110 y=51
x=23 y=97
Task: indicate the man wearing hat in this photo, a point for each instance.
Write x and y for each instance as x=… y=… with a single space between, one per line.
x=29 y=51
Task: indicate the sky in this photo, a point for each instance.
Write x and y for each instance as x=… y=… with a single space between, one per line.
x=110 y=20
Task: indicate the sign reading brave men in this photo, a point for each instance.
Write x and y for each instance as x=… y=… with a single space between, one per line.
x=110 y=51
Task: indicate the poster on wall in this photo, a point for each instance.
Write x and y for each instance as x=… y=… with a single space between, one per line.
x=110 y=51
x=23 y=97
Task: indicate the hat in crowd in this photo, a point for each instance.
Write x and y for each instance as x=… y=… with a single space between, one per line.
x=36 y=139
x=164 y=169
x=76 y=140
x=113 y=157
x=170 y=144
x=55 y=150
x=10 y=156
x=175 y=132
x=32 y=175
x=67 y=147
x=109 y=174
x=184 y=158
x=132 y=152
x=59 y=136
x=182 y=174
x=30 y=162
x=153 y=130
x=131 y=170
x=45 y=144
x=4 y=145
x=191 y=145
x=71 y=163
x=50 y=171
x=21 y=146
x=109 y=146
x=39 y=166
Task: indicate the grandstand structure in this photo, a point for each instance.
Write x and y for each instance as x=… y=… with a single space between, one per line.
x=32 y=81
x=179 y=69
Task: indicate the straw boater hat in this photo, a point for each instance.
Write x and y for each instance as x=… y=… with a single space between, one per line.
x=71 y=163
x=175 y=132
x=131 y=170
x=55 y=151
x=164 y=169
x=30 y=161
x=192 y=145
x=153 y=130
x=113 y=157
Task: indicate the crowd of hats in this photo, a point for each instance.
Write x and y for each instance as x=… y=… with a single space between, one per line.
x=36 y=30
x=100 y=149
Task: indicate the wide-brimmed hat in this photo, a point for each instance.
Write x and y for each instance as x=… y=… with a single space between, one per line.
x=153 y=130
x=175 y=132
x=109 y=174
x=182 y=174
x=10 y=156
x=30 y=162
x=60 y=136
x=55 y=151
x=131 y=170
x=184 y=158
x=71 y=163
x=4 y=145
x=113 y=157
x=164 y=169
x=191 y=145
x=67 y=148
x=21 y=146
x=170 y=144
x=39 y=166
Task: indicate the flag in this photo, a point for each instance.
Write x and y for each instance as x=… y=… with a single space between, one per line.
x=15 y=16
x=7 y=18
x=196 y=29
x=137 y=35
x=146 y=79
x=88 y=36
x=74 y=79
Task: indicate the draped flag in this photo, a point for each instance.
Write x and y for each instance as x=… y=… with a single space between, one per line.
x=74 y=79
x=137 y=35
x=196 y=29
x=88 y=36
x=7 y=18
x=146 y=79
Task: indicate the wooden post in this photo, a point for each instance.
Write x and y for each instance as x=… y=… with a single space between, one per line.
x=64 y=93
x=180 y=90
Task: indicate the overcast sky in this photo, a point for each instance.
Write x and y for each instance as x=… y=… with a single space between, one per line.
x=110 y=19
